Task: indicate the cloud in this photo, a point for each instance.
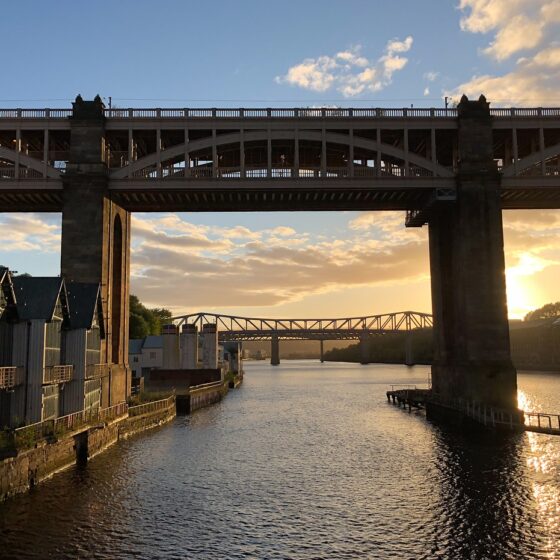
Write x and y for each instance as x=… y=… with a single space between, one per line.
x=189 y=267
x=29 y=232
x=431 y=76
x=269 y=267
x=314 y=74
x=348 y=71
x=520 y=27
x=517 y=24
x=519 y=33
x=532 y=81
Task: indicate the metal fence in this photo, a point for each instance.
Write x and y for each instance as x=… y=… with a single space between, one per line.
x=28 y=435
x=10 y=377
x=482 y=413
x=542 y=420
x=205 y=387
x=153 y=406
x=58 y=374
x=94 y=371
x=113 y=412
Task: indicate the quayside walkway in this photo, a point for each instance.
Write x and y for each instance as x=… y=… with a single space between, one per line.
x=541 y=422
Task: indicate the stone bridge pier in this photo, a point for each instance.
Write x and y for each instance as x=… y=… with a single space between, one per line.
x=96 y=239
x=409 y=349
x=274 y=350
x=471 y=334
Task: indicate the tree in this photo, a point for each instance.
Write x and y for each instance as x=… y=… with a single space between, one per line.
x=547 y=311
x=137 y=326
x=144 y=321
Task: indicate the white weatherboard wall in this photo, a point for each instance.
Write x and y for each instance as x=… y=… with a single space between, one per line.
x=35 y=370
x=19 y=359
x=75 y=354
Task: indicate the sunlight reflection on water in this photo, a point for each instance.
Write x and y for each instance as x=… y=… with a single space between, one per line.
x=305 y=461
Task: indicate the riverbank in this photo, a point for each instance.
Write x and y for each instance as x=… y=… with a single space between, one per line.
x=44 y=454
x=38 y=452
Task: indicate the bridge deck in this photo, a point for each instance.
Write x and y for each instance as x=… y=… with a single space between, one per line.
x=213 y=159
x=273 y=195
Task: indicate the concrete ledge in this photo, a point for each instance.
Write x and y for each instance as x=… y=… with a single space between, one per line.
x=201 y=396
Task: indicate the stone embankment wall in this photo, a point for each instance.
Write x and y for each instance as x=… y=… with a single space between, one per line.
x=136 y=424
x=201 y=396
x=27 y=468
x=179 y=380
x=206 y=397
x=30 y=467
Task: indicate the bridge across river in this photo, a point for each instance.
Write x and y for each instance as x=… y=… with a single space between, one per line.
x=235 y=328
x=453 y=169
x=277 y=159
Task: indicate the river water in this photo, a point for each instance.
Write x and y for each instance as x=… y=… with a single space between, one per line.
x=304 y=461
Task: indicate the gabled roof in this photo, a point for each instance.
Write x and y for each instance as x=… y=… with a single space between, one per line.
x=84 y=302
x=37 y=297
x=135 y=345
x=153 y=342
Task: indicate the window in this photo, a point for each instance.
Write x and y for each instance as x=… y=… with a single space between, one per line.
x=135 y=359
x=152 y=355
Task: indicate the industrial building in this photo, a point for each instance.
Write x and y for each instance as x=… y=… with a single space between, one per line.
x=51 y=335
x=187 y=349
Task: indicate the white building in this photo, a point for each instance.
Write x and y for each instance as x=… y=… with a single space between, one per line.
x=145 y=354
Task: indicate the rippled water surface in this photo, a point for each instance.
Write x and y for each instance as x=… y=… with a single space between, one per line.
x=304 y=461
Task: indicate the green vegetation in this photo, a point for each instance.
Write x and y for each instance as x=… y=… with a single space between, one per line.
x=388 y=348
x=7 y=442
x=548 y=311
x=144 y=321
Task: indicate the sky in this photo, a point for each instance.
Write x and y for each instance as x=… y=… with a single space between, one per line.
x=260 y=53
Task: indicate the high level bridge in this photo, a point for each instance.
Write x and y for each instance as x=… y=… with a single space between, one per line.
x=454 y=169
x=273 y=159
x=234 y=328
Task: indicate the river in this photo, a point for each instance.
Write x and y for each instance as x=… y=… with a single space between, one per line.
x=304 y=461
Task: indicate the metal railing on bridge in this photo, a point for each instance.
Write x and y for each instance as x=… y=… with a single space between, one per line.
x=279 y=113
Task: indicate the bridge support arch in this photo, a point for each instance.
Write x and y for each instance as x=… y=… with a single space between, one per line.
x=96 y=240
x=471 y=334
